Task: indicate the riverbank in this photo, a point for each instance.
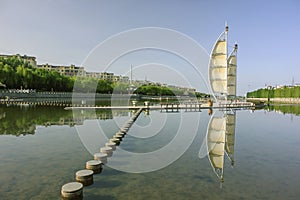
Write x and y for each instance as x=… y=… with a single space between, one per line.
x=64 y=95
x=276 y=100
x=15 y=95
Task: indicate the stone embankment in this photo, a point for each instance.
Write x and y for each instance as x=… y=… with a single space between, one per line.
x=276 y=100
x=17 y=94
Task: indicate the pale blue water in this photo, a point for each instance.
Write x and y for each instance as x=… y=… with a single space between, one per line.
x=36 y=165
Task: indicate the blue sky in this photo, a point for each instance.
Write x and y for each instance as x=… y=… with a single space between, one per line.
x=65 y=32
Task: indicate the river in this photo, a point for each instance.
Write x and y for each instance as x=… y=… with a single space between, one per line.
x=41 y=148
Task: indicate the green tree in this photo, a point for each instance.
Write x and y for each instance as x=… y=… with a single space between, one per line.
x=104 y=87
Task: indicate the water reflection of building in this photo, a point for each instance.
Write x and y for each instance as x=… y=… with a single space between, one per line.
x=64 y=121
x=220 y=141
x=78 y=117
x=16 y=120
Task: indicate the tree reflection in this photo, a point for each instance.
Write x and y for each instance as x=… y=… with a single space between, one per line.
x=22 y=120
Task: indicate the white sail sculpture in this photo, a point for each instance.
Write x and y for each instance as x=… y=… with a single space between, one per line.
x=231 y=73
x=222 y=69
x=221 y=129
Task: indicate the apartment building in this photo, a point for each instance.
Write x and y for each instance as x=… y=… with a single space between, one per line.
x=71 y=70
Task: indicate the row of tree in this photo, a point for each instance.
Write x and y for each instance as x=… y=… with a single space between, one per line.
x=154 y=90
x=157 y=90
x=17 y=73
x=285 y=92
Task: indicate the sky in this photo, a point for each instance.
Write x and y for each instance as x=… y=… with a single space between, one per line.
x=73 y=32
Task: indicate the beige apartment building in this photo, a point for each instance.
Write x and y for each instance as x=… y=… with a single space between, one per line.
x=71 y=70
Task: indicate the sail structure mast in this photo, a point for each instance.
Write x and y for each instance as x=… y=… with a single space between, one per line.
x=226 y=39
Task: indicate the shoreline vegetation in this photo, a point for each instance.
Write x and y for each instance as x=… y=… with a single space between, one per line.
x=19 y=73
x=286 y=94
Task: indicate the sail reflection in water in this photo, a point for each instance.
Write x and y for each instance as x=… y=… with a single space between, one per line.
x=230 y=136
x=220 y=140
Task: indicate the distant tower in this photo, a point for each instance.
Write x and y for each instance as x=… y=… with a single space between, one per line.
x=131 y=88
x=293 y=82
x=130 y=74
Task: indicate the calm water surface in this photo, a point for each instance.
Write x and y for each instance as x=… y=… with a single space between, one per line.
x=40 y=150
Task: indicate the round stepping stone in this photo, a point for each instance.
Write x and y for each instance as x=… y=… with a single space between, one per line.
x=127 y=126
x=107 y=150
x=94 y=165
x=101 y=157
x=85 y=177
x=118 y=137
x=72 y=190
x=115 y=140
x=111 y=144
x=124 y=130
x=120 y=134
